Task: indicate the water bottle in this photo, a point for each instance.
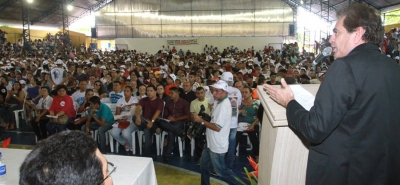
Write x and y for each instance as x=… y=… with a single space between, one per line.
x=3 y=175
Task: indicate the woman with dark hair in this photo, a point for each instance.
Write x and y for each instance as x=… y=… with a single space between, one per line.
x=161 y=93
x=62 y=105
x=248 y=116
x=15 y=99
x=134 y=77
x=141 y=92
x=33 y=94
x=99 y=89
x=257 y=59
x=122 y=132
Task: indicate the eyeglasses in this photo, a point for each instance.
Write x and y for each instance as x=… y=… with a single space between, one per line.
x=110 y=165
x=97 y=84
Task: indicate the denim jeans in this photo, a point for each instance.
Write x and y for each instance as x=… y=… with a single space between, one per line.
x=101 y=131
x=210 y=159
x=230 y=156
x=123 y=136
x=173 y=129
x=8 y=113
x=148 y=135
x=53 y=128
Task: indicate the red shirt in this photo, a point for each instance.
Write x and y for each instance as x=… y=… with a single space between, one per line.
x=63 y=104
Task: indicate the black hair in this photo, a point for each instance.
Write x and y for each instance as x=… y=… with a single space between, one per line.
x=46 y=87
x=65 y=158
x=61 y=86
x=175 y=89
x=151 y=86
x=94 y=100
x=88 y=90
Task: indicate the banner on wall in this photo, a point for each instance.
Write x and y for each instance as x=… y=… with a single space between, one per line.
x=182 y=42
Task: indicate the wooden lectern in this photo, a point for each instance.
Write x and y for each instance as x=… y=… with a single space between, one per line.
x=283 y=153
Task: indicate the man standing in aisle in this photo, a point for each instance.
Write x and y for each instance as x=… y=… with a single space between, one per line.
x=217 y=136
x=235 y=98
x=354 y=124
x=195 y=107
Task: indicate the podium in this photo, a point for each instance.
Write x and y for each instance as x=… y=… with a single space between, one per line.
x=283 y=153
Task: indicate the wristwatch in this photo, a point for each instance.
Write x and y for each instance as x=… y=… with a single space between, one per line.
x=202 y=123
x=152 y=121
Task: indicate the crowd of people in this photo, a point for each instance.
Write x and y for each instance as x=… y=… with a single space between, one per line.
x=153 y=93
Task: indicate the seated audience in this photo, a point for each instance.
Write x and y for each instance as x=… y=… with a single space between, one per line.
x=100 y=118
x=62 y=105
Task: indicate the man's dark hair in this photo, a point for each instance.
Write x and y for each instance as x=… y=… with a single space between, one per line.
x=116 y=81
x=199 y=88
x=152 y=86
x=61 y=86
x=282 y=71
x=88 y=90
x=94 y=100
x=47 y=88
x=65 y=158
x=272 y=73
x=357 y=15
x=192 y=73
x=175 y=89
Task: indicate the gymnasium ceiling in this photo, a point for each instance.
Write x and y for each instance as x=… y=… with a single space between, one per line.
x=50 y=12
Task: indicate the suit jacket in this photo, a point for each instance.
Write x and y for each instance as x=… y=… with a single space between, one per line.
x=354 y=125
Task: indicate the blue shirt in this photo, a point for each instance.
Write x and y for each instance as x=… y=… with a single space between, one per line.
x=114 y=97
x=103 y=113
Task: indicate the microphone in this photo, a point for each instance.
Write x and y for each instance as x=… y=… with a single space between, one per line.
x=326 y=52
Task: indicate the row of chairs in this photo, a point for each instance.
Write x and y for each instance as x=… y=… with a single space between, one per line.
x=159 y=138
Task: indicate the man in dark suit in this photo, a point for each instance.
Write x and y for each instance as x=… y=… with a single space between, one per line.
x=354 y=124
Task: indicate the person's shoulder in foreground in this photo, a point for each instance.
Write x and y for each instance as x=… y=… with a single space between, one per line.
x=69 y=157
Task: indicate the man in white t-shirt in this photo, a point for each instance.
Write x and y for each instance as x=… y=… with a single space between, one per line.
x=217 y=135
x=58 y=74
x=79 y=96
x=235 y=98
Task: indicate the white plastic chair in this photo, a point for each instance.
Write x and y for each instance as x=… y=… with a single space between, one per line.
x=141 y=133
x=22 y=111
x=164 y=133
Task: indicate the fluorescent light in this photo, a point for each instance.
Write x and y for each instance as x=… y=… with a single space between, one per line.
x=69 y=7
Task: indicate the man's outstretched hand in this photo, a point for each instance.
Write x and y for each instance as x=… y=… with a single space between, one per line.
x=282 y=95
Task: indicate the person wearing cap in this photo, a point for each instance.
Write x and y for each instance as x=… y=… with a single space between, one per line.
x=217 y=134
x=58 y=74
x=170 y=83
x=235 y=98
x=353 y=126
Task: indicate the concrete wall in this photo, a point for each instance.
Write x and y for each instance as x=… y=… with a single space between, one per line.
x=152 y=45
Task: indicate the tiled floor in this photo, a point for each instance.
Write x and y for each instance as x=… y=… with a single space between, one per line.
x=25 y=136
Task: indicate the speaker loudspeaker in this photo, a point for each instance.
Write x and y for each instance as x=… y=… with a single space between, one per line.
x=94 y=32
x=291 y=29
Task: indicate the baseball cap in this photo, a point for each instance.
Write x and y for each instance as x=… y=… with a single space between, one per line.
x=59 y=62
x=173 y=77
x=227 y=76
x=22 y=82
x=221 y=85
